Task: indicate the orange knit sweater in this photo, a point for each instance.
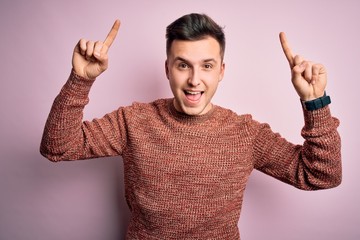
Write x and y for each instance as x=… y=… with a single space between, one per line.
x=185 y=176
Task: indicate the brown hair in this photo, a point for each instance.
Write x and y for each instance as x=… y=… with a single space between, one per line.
x=193 y=27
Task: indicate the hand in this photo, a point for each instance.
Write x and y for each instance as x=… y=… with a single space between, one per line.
x=90 y=58
x=309 y=79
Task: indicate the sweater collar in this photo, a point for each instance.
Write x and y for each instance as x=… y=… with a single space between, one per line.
x=183 y=117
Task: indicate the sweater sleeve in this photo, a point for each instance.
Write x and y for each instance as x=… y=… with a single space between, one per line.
x=67 y=137
x=314 y=165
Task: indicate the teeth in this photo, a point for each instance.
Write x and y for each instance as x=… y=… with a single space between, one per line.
x=192 y=93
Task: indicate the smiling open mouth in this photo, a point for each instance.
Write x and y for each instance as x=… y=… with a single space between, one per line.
x=193 y=95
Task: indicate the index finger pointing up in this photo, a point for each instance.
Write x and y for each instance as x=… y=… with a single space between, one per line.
x=286 y=48
x=112 y=34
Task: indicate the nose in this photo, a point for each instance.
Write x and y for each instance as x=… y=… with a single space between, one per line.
x=194 y=78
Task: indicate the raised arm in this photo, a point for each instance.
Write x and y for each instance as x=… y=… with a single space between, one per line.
x=316 y=164
x=66 y=136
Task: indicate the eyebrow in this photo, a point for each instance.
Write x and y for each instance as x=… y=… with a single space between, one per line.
x=185 y=60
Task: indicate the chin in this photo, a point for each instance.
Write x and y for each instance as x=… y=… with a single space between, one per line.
x=194 y=111
x=199 y=109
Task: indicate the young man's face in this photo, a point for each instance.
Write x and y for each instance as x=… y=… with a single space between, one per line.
x=194 y=70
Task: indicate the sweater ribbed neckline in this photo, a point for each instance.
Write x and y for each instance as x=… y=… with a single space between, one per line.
x=185 y=118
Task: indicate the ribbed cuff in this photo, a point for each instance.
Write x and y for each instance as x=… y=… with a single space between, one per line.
x=78 y=85
x=319 y=118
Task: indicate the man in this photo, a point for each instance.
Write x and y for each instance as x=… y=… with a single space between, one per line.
x=186 y=160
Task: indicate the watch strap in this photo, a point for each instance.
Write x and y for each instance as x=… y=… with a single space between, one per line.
x=317 y=103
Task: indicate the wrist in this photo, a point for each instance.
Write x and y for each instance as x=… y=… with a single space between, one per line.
x=316 y=103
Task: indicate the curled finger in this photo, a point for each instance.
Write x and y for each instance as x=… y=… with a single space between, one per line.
x=299 y=66
x=89 y=49
x=97 y=49
x=298 y=60
x=82 y=46
x=317 y=69
x=308 y=73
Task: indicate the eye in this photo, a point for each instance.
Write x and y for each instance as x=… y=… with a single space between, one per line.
x=208 y=66
x=183 y=65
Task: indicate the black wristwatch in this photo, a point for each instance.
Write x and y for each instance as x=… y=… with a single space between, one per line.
x=316 y=103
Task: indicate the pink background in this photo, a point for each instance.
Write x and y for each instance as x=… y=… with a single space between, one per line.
x=84 y=200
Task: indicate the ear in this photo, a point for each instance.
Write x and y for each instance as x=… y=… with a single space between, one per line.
x=166 y=69
x=222 y=71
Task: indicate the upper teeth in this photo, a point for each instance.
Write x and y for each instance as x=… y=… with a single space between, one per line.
x=193 y=93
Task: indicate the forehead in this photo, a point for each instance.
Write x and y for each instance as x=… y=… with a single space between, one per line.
x=204 y=48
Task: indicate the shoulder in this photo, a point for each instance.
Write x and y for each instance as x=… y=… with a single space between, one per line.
x=145 y=110
x=155 y=105
x=228 y=115
x=238 y=122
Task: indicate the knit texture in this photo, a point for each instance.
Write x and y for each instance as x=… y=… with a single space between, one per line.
x=185 y=176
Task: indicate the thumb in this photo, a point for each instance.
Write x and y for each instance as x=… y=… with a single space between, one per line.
x=298 y=70
x=101 y=56
x=103 y=62
x=99 y=53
